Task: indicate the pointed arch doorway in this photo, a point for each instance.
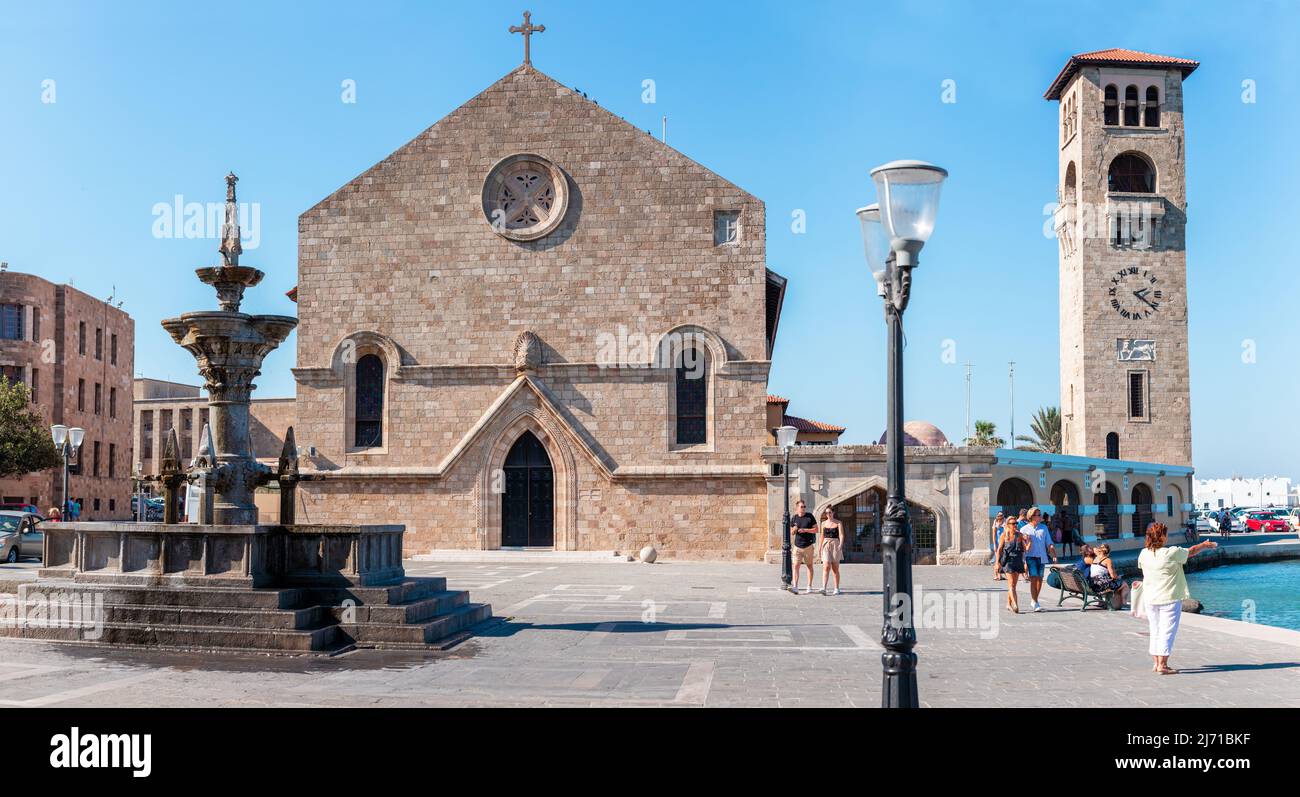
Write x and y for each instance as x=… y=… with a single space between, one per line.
x=528 y=503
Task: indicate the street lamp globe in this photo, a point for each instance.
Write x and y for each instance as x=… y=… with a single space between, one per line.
x=875 y=243
x=75 y=435
x=785 y=436
x=909 y=202
x=59 y=433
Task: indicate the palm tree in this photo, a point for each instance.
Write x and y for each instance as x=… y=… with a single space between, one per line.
x=1047 y=432
x=985 y=435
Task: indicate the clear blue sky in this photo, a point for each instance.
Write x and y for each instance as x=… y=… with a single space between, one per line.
x=792 y=101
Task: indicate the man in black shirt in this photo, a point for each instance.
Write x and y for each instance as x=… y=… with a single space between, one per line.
x=803 y=529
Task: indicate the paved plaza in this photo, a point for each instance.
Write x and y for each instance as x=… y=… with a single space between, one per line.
x=687 y=634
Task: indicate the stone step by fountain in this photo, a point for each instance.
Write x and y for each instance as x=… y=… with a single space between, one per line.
x=416 y=613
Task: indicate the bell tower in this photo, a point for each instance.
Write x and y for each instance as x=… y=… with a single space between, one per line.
x=1121 y=230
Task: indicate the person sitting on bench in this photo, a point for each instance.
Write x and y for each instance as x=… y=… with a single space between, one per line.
x=1102 y=575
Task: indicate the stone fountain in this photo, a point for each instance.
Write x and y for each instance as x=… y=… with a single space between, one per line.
x=229 y=347
x=227 y=580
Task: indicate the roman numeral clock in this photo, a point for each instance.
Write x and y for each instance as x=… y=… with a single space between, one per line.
x=1135 y=293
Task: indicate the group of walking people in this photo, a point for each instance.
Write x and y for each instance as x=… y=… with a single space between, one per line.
x=1023 y=547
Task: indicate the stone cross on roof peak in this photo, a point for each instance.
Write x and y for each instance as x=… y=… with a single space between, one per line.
x=527 y=29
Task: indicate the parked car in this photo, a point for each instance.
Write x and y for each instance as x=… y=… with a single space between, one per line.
x=1267 y=520
x=20 y=536
x=1203 y=522
x=1238 y=515
x=153 y=510
x=29 y=508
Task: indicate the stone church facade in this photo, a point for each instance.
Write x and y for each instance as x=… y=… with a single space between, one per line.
x=535 y=325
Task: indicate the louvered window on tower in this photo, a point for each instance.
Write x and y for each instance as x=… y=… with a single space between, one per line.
x=1137 y=395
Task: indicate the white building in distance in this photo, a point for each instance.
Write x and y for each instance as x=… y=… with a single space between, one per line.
x=1238 y=491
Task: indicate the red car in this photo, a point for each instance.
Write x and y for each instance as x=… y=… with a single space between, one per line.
x=1267 y=521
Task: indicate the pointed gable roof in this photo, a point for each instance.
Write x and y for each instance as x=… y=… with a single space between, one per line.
x=526 y=81
x=1115 y=57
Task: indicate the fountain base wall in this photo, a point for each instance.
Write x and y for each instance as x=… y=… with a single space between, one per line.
x=154 y=554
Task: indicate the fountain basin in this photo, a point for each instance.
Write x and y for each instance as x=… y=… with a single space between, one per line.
x=156 y=554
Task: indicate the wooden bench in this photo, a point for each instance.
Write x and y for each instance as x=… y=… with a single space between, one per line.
x=1075 y=585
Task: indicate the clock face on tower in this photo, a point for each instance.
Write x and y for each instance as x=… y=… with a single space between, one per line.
x=1134 y=293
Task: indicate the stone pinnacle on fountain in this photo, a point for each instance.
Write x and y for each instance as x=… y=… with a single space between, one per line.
x=231 y=249
x=230 y=279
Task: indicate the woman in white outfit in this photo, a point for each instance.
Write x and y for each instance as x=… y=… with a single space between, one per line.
x=1164 y=587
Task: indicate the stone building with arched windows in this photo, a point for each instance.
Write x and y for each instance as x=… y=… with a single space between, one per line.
x=537 y=326
x=954 y=492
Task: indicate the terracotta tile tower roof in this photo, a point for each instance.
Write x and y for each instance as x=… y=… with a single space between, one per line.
x=1114 y=57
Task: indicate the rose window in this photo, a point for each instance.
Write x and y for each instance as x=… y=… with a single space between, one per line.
x=525 y=197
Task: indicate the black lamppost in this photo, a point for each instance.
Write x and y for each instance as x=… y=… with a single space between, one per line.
x=785 y=437
x=893 y=233
x=67 y=441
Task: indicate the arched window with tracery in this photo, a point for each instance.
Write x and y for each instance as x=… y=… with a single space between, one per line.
x=691 y=379
x=1152 y=110
x=1131 y=110
x=1110 y=110
x=1131 y=173
x=369 y=414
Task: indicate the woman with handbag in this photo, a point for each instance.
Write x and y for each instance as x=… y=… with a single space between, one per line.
x=1164 y=587
x=1011 y=557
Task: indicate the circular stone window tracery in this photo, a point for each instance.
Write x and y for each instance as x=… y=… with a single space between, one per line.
x=525 y=197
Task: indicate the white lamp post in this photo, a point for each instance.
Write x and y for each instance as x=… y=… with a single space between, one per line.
x=67 y=441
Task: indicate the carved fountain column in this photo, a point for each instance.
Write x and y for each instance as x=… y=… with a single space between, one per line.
x=229 y=347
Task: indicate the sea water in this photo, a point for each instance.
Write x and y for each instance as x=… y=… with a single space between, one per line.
x=1266 y=593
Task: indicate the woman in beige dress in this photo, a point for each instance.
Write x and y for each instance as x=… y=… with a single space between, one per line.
x=831 y=546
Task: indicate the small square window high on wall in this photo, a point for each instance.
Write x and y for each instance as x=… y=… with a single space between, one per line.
x=726 y=227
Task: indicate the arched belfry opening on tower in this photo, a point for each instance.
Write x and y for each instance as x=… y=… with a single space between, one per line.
x=1123 y=263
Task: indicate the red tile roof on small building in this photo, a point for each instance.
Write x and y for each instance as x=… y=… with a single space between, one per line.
x=1114 y=57
x=806 y=425
x=777 y=399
